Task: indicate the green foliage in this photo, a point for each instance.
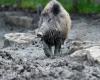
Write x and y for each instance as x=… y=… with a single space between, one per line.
x=68 y=4
x=88 y=6
x=32 y=3
x=83 y=6
x=7 y=2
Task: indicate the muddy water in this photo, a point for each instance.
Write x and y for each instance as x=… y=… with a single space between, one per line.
x=31 y=64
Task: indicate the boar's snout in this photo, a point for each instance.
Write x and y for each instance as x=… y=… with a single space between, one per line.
x=40 y=34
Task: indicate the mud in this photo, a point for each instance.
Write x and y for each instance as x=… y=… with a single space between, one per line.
x=18 y=62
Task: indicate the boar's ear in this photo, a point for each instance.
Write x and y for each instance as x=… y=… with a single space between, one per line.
x=55 y=9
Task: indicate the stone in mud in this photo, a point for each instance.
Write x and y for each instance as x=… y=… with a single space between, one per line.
x=18 y=39
x=92 y=53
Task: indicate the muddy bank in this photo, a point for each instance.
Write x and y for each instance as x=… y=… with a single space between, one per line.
x=28 y=62
x=60 y=68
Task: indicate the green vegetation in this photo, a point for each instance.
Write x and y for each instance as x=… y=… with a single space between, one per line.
x=33 y=4
x=88 y=6
x=82 y=6
x=68 y=4
x=7 y=2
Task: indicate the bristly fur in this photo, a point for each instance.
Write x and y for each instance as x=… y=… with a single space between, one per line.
x=54 y=26
x=53 y=37
x=55 y=9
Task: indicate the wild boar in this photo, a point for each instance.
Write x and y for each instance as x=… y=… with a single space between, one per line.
x=54 y=26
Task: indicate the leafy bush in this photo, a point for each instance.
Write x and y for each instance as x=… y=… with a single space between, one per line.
x=7 y=2
x=88 y=6
x=83 y=6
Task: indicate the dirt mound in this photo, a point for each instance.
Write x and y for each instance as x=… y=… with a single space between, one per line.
x=60 y=68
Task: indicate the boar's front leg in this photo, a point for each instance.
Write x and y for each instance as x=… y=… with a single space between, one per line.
x=57 y=50
x=47 y=50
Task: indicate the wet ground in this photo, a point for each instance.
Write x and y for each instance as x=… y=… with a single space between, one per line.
x=30 y=63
